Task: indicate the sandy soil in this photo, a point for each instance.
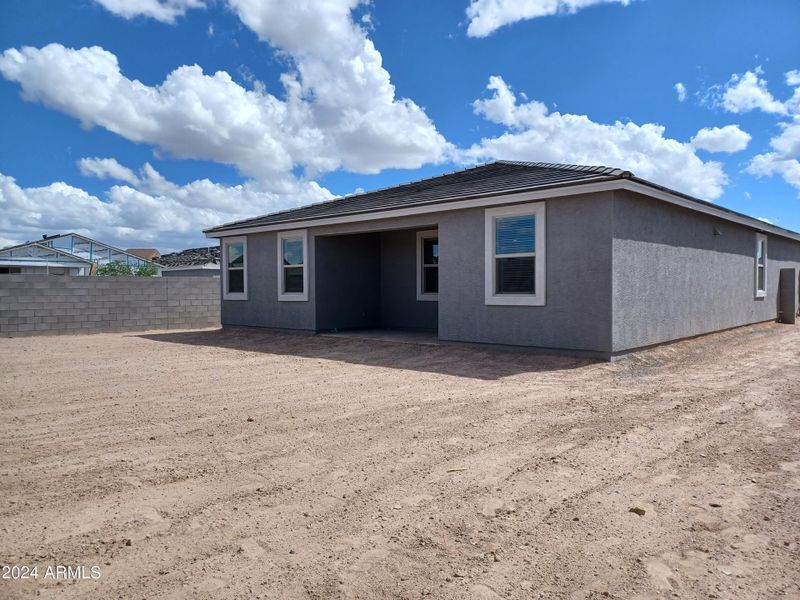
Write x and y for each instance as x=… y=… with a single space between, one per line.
x=258 y=465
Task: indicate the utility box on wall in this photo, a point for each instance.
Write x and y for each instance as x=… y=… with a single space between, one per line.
x=788 y=296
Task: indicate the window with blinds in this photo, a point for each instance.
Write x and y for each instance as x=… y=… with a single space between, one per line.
x=515 y=254
x=515 y=251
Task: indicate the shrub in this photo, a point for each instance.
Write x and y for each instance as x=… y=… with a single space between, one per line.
x=147 y=271
x=114 y=269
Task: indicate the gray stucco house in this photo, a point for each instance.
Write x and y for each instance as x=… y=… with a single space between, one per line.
x=582 y=260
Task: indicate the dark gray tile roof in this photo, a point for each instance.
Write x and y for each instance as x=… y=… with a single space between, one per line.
x=190 y=257
x=499 y=177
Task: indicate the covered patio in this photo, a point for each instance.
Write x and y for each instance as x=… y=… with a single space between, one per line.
x=379 y=283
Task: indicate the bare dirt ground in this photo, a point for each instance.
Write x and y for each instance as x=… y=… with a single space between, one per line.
x=242 y=464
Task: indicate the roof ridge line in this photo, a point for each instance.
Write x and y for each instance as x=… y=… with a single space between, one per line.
x=570 y=167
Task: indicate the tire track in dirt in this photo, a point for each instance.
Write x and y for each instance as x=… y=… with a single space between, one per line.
x=223 y=501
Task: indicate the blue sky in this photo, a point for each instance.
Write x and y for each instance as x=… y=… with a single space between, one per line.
x=109 y=129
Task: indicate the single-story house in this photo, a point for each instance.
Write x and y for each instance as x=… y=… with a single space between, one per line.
x=582 y=260
x=65 y=254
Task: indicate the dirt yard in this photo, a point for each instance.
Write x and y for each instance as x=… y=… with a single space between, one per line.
x=240 y=464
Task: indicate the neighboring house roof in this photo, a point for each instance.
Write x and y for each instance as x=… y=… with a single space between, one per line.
x=191 y=258
x=82 y=248
x=145 y=253
x=493 y=180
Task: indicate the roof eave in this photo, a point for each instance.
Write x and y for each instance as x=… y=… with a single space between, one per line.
x=230 y=229
x=622 y=182
x=728 y=214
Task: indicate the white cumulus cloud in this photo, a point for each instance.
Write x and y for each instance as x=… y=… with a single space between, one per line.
x=747 y=92
x=721 y=139
x=680 y=89
x=190 y=115
x=487 y=16
x=165 y=11
x=340 y=67
x=787 y=143
x=772 y=163
x=107 y=168
x=154 y=212
x=784 y=159
x=337 y=108
x=536 y=134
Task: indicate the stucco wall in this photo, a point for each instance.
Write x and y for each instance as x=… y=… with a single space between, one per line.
x=348 y=277
x=262 y=308
x=623 y=271
x=674 y=278
x=368 y=281
x=399 y=305
x=577 y=313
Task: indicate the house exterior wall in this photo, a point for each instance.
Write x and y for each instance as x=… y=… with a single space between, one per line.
x=400 y=308
x=624 y=271
x=262 y=307
x=577 y=314
x=348 y=278
x=577 y=311
x=369 y=281
x=674 y=278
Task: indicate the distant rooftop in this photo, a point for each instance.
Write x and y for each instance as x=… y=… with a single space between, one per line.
x=79 y=247
x=190 y=257
x=145 y=253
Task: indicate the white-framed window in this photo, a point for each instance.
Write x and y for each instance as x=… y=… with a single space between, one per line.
x=515 y=255
x=234 y=268
x=428 y=265
x=293 y=265
x=761 y=265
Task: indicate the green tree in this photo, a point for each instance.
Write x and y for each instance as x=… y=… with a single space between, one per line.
x=147 y=270
x=115 y=269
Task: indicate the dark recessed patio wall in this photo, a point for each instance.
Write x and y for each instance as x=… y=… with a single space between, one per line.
x=368 y=281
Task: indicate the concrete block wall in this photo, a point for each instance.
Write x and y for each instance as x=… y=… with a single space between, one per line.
x=46 y=305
